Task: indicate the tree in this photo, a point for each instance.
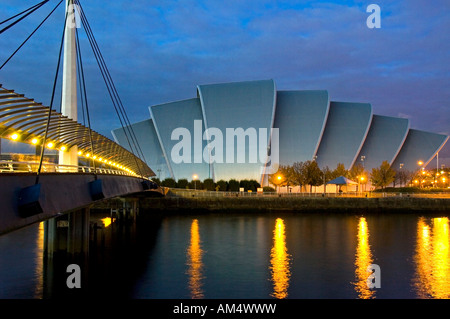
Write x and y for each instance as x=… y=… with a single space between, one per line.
x=283 y=177
x=233 y=185
x=249 y=185
x=340 y=171
x=209 y=184
x=169 y=182
x=156 y=180
x=223 y=185
x=195 y=184
x=328 y=173
x=358 y=174
x=299 y=174
x=313 y=174
x=403 y=176
x=383 y=175
x=182 y=183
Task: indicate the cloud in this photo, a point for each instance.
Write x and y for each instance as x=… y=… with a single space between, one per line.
x=158 y=52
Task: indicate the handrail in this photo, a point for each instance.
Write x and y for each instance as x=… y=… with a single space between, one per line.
x=189 y=193
x=32 y=167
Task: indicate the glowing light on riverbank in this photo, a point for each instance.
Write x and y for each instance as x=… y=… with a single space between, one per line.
x=106 y=221
x=432 y=259
x=363 y=261
x=195 y=263
x=279 y=262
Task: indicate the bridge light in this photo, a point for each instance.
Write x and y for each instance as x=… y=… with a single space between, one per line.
x=100 y=159
x=87 y=155
x=80 y=153
x=50 y=145
x=15 y=136
x=63 y=148
x=34 y=141
x=94 y=157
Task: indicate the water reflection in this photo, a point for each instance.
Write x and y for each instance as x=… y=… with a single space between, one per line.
x=363 y=261
x=39 y=261
x=280 y=262
x=432 y=259
x=106 y=221
x=195 y=263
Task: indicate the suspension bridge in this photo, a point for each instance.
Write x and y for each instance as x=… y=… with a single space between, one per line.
x=73 y=166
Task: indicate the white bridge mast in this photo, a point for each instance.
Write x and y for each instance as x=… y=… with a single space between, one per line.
x=69 y=81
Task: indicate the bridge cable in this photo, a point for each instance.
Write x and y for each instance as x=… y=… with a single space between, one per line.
x=110 y=86
x=108 y=80
x=51 y=101
x=101 y=64
x=83 y=93
x=32 y=33
x=33 y=8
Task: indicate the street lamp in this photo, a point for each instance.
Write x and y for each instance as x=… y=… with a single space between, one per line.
x=194 y=177
x=279 y=179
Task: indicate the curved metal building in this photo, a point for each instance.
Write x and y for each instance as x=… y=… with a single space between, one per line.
x=237 y=130
x=300 y=117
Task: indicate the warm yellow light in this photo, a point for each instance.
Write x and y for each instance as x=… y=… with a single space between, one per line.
x=194 y=177
x=14 y=136
x=420 y=162
x=34 y=141
x=443 y=179
x=50 y=145
x=416 y=181
x=94 y=157
x=280 y=262
x=195 y=262
x=442 y=172
x=363 y=260
x=80 y=152
x=423 y=172
x=87 y=155
x=106 y=221
x=63 y=148
x=362 y=178
x=279 y=177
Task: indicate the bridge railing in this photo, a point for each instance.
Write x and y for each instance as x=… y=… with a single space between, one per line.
x=32 y=167
x=190 y=193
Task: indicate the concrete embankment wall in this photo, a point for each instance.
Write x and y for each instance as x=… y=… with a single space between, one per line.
x=174 y=203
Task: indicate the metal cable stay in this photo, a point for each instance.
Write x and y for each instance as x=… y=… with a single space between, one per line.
x=24 y=120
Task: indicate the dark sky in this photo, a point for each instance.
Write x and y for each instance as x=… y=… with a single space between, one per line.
x=158 y=51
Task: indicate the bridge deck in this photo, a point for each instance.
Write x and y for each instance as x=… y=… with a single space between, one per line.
x=60 y=193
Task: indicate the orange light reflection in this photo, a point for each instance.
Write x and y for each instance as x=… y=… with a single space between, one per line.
x=280 y=262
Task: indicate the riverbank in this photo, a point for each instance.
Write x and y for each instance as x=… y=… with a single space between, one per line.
x=299 y=204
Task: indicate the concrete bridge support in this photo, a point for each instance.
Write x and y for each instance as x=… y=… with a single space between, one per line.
x=126 y=210
x=68 y=235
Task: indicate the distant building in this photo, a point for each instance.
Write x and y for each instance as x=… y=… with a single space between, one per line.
x=230 y=130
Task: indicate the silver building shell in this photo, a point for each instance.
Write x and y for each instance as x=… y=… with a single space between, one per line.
x=309 y=126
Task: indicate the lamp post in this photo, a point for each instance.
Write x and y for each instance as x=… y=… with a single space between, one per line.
x=279 y=178
x=420 y=163
x=194 y=177
x=401 y=174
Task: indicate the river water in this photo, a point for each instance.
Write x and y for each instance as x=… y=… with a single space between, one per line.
x=223 y=256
